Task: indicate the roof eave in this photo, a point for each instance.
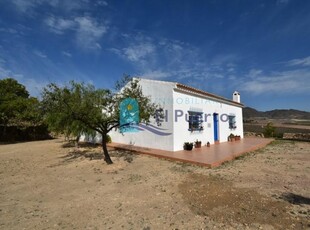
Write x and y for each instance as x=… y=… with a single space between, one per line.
x=197 y=92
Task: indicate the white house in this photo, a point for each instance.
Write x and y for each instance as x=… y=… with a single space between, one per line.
x=190 y=114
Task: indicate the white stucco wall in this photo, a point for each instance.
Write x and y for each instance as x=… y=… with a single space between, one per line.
x=175 y=102
x=188 y=102
x=161 y=93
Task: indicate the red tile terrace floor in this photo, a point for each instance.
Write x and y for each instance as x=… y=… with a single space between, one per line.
x=212 y=156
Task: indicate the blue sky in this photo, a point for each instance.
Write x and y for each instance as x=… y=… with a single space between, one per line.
x=259 y=48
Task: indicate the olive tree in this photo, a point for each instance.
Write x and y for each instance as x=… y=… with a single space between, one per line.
x=87 y=108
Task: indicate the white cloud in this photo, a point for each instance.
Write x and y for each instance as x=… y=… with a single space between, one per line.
x=69 y=5
x=4 y=72
x=161 y=58
x=24 y=5
x=89 y=32
x=138 y=51
x=8 y=30
x=295 y=81
x=66 y=54
x=115 y=51
x=292 y=81
x=33 y=86
x=232 y=77
x=39 y=54
x=98 y=46
x=157 y=74
x=102 y=3
x=254 y=73
x=59 y=25
x=300 y=62
x=29 y=6
x=158 y=58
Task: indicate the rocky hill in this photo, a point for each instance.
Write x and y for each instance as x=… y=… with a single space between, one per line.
x=276 y=114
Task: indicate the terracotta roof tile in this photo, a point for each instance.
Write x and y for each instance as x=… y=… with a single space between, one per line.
x=204 y=93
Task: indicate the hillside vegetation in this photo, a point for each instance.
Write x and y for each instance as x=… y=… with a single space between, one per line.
x=276 y=114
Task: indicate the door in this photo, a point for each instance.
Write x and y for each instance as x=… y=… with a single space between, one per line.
x=216 y=126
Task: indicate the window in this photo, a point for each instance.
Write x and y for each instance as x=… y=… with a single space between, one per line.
x=232 y=121
x=195 y=121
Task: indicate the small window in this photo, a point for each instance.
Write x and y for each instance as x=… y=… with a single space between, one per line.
x=232 y=122
x=195 y=121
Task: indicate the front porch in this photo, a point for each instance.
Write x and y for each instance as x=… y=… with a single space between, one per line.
x=212 y=156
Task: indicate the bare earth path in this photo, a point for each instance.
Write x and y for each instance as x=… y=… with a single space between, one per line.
x=46 y=186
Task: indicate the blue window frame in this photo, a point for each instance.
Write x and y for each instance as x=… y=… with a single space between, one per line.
x=195 y=121
x=232 y=121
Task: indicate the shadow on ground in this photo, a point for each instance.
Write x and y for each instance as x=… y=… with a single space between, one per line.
x=127 y=155
x=72 y=144
x=82 y=153
x=295 y=199
x=93 y=153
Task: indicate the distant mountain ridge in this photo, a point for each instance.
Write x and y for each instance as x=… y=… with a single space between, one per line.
x=249 y=112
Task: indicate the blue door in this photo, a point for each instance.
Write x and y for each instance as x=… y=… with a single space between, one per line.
x=215 y=125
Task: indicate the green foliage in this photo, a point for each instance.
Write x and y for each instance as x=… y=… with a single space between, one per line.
x=188 y=145
x=61 y=106
x=133 y=90
x=120 y=84
x=269 y=130
x=83 y=108
x=11 y=89
x=108 y=139
x=16 y=107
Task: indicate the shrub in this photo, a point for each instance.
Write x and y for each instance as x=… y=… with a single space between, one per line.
x=269 y=130
x=23 y=133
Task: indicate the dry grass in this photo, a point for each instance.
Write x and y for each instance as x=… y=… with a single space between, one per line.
x=45 y=185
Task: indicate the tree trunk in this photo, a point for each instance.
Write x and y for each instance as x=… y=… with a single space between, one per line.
x=77 y=139
x=2 y=137
x=105 y=150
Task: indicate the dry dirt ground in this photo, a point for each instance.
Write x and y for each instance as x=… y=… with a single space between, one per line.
x=50 y=185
